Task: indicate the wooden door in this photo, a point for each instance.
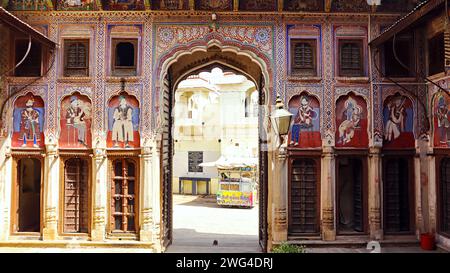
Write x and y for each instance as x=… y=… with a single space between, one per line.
x=303 y=196
x=444 y=196
x=262 y=179
x=397 y=194
x=76 y=201
x=166 y=165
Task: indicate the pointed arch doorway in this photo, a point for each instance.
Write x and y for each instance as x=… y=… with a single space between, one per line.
x=178 y=66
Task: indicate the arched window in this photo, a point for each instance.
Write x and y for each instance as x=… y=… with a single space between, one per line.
x=76 y=175
x=124 y=188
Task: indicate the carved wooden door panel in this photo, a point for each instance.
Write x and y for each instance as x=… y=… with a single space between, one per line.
x=262 y=183
x=166 y=166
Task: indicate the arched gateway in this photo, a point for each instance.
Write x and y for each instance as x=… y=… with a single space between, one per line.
x=175 y=66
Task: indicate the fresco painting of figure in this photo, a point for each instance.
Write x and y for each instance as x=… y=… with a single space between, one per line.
x=28 y=122
x=442 y=121
x=75 y=122
x=123 y=4
x=123 y=122
x=76 y=5
x=305 y=131
x=351 y=122
x=398 y=122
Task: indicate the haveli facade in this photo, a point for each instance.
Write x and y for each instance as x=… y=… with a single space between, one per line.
x=86 y=130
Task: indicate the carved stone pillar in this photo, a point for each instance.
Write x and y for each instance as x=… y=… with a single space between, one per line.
x=375 y=228
x=146 y=195
x=51 y=193
x=424 y=205
x=5 y=190
x=327 y=194
x=155 y=192
x=99 y=177
x=279 y=189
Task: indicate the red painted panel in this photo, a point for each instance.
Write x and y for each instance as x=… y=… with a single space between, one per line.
x=351 y=122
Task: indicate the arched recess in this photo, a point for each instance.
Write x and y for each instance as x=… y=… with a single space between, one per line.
x=182 y=62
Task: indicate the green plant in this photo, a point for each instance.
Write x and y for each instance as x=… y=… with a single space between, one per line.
x=285 y=247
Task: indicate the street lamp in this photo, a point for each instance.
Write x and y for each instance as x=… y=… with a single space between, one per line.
x=281 y=119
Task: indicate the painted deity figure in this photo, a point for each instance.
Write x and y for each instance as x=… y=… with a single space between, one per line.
x=73 y=3
x=122 y=130
x=352 y=117
x=75 y=114
x=303 y=120
x=396 y=122
x=29 y=124
x=443 y=114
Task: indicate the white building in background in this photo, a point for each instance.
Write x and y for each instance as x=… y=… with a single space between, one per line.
x=215 y=115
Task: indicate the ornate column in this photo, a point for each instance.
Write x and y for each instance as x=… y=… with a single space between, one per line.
x=417 y=206
x=279 y=190
x=5 y=189
x=155 y=193
x=422 y=166
x=375 y=228
x=328 y=178
x=146 y=195
x=99 y=177
x=51 y=192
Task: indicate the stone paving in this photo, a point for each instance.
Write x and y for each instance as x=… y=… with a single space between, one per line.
x=199 y=221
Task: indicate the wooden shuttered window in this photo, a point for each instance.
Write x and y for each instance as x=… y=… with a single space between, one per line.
x=123 y=196
x=303 y=57
x=76 y=58
x=76 y=175
x=350 y=58
x=396 y=195
x=303 y=207
x=445 y=196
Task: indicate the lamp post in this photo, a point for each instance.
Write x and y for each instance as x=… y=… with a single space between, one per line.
x=281 y=119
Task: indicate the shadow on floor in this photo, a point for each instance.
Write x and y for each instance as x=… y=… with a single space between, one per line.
x=191 y=241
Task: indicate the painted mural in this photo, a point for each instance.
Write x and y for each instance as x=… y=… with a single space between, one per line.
x=28 y=122
x=351 y=122
x=123 y=122
x=75 y=122
x=398 y=120
x=214 y=4
x=76 y=5
x=123 y=4
x=29 y=5
x=258 y=5
x=303 y=5
x=350 y=6
x=305 y=130
x=170 y=4
x=442 y=121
